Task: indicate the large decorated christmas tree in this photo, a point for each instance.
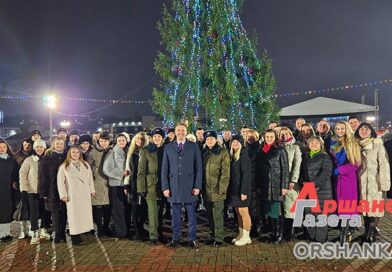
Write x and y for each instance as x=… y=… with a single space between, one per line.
x=210 y=74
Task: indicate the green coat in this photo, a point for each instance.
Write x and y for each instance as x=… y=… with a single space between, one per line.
x=149 y=172
x=216 y=163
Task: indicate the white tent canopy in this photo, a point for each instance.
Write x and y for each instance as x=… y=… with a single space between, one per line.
x=325 y=106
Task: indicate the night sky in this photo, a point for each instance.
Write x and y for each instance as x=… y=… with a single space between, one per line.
x=106 y=49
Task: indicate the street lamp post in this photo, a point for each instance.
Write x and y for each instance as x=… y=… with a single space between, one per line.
x=50 y=102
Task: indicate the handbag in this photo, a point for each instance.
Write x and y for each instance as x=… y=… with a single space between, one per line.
x=22 y=211
x=18 y=212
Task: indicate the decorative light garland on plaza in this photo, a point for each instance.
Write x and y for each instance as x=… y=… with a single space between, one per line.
x=121 y=101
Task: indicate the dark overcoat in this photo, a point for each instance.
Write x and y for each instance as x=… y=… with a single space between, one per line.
x=182 y=172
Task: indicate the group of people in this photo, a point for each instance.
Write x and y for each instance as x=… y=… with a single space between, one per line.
x=122 y=183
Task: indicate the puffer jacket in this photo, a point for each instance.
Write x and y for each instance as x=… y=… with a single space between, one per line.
x=273 y=173
x=294 y=159
x=28 y=175
x=318 y=169
x=216 y=164
x=114 y=166
x=374 y=174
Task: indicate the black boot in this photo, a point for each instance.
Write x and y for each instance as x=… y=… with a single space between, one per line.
x=279 y=231
x=274 y=224
x=76 y=240
x=290 y=230
x=370 y=235
x=366 y=233
x=343 y=235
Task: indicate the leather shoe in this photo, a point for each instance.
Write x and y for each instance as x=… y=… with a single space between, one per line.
x=192 y=244
x=153 y=242
x=173 y=244
x=210 y=242
x=217 y=244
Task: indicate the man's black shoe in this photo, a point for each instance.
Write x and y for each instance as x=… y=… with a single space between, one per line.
x=210 y=242
x=153 y=242
x=192 y=244
x=173 y=244
x=217 y=244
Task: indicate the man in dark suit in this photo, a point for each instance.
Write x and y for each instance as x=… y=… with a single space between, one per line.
x=182 y=175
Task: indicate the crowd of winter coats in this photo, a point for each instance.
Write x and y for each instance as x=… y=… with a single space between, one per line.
x=117 y=183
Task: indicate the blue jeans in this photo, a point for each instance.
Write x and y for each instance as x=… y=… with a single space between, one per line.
x=176 y=220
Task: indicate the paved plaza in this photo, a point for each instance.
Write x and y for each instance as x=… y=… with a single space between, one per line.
x=109 y=254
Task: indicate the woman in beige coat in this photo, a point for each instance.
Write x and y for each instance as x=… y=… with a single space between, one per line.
x=76 y=186
x=374 y=176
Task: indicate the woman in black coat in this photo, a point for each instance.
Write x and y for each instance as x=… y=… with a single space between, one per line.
x=240 y=189
x=273 y=180
x=317 y=167
x=253 y=147
x=8 y=177
x=48 y=169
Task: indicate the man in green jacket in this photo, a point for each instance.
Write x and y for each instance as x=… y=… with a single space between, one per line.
x=216 y=180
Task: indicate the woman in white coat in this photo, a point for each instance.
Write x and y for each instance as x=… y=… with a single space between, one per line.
x=374 y=176
x=76 y=186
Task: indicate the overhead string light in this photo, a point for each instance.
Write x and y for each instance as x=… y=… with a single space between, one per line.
x=334 y=89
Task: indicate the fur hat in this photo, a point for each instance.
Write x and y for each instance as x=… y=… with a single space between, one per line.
x=159 y=131
x=210 y=133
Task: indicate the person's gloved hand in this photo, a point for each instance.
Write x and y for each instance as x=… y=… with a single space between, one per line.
x=143 y=194
x=335 y=171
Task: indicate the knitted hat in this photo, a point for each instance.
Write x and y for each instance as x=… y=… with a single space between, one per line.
x=85 y=138
x=62 y=129
x=105 y=135
x=39 y=143
x=74 y=132
x=36 y=131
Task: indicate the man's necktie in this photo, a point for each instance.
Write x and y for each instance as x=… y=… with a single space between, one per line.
x=180 y=147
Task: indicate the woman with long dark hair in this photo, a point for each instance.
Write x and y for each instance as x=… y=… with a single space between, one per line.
x=374 y=176
x=8 y=177
x=273 y=177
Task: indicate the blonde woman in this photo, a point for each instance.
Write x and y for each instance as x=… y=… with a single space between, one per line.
x=288 y=142
x=240 y=189
x=374 y=176
x=346 y=159
x=76 y=187
x=138 y=203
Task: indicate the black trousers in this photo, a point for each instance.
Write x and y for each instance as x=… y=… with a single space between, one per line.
x=139 y=214
x=37 y=211
x=120 y=211
x=59 y=217
x=101 y=216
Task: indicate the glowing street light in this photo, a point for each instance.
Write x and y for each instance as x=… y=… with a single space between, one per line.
x=65 y=124
x=50 y=103
x=371 y=118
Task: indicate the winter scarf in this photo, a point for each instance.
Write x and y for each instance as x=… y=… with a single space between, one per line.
x=312 y=153
x=365 y=142
x=267 y=147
